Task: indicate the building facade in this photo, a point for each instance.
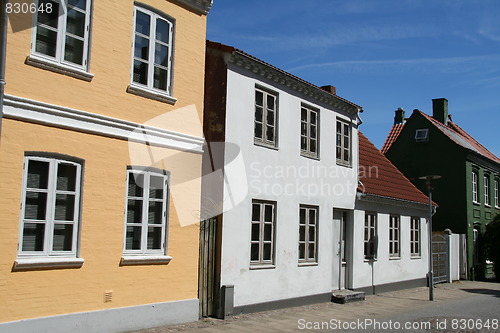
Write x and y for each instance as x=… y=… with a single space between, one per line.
x=102 y=111
x=467 y=193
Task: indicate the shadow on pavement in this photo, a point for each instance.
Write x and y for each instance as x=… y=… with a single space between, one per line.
x=492 y=292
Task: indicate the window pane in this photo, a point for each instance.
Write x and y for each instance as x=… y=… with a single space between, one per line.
x=38 y=174
x=142 y=22
x=270 y=133
x=78 y=3
x=313 y=117
x=255 y=231
x=255 y=212
x=312 y=253
x=302 y=251
x=46 y=17
x=258 y=130
x=141 y=48
x=302 y=218
x=156 y=184
x=302 y=233
x=133 y=238
x=268 y=213
x=63 y=237
x=267 y=252
x=268 y=229
x=46 y=41
x=303 y=128
x=162 y=30
x=160 y=78
x=135 y=184
x=134 y=211
x=339 y=128
x=312 y=216
x=33 y=236
x=35 y=206
x=254 y=252
x=161 y=55
x=270 y=102
x=66 y=177
x=154 y=238
x=303 y=114
x=140 y=72
x=270 y=117
x=313 y=146
x=65 y=207
x=259 y=98
x=258 y=114
x=312 y=234
x=155 y=213
x=75 y=23
x=303 y=143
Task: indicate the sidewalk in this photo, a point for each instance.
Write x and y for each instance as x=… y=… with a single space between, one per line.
x=375 y=307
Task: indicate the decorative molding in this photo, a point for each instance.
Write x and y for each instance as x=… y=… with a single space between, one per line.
x=20 y=108
x=367 y=197
x=200 y=6
x=145 y=260
x=59 y=68
x=47 y=263
x=288 y=80
x=136 y=90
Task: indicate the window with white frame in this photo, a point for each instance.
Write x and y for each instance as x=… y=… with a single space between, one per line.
x=62 y=30
x=394 y=236
x=308 y=234
x=152 y=51
x=309 y=132
x=415 y=236
x=265 y=117
x=487 y=201
x=50 y=208
x=343 y=143
x=497 y=189
x=146 y=212
x=262 y=238
x=475 y=186
x=370 y=238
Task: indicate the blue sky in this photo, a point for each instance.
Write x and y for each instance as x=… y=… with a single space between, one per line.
x=380 y=54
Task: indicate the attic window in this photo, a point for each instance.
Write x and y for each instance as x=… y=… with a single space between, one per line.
x=422 y=135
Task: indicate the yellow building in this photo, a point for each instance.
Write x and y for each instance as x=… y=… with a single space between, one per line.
x=100 y=159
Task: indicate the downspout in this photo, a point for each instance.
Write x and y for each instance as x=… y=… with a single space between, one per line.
x=3 y=56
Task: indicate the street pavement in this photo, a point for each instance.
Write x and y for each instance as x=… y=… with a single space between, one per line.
x=465 y=306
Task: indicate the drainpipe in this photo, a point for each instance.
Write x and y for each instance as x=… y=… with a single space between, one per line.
x=3 y=55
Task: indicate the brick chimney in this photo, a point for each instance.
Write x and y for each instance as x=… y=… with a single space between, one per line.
x=440 y=110
x=399 y=118
x=331 y=89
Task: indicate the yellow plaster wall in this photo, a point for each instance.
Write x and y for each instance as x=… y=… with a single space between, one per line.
x=110 y=62
x=28 y=294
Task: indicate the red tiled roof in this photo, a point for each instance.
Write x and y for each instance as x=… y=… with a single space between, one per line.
x=231 y=49
x=393 y=135
x=380 y=177
x=452 y=130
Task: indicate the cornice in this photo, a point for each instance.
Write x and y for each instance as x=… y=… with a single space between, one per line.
x=200 y=6
x=379 y=199
x=288 y=80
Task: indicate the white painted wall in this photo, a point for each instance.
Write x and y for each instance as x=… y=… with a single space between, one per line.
x=334 y=187
x=384 y=269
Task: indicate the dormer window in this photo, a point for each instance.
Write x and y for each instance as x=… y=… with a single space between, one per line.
x=422 y=135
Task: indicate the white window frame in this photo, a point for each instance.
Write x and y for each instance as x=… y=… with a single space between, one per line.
x=308 y=135
x=343 y=139
x=144 y=251
x=475 y=186
x=261 y=224
x=415 y=236
x=265 y=123
x=422 y=135
x=487 y=196
x=140 y=88
x=497 y=190
x=36 y=56
x=50 y=221
x=306 y=226
x=370 y=236
x=394 y=236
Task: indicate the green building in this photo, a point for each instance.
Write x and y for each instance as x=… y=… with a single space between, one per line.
x=467 y=193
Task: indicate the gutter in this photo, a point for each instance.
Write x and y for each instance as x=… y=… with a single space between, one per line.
x=3 y=56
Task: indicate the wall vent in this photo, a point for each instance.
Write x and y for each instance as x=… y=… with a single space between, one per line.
x=108 y=296
x=422 y=135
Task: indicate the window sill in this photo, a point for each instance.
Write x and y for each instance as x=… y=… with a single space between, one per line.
x=42 y=63
x=370 y=260
x=265 y=145
x=151 y=94
x=344 y=164
x=144 y=260
x=257 y=267
x=306 y=155
x=476 y=203
x=307 y=264
x=47 y=263
x=487 y=206
x=395 y=258
x=415 y=257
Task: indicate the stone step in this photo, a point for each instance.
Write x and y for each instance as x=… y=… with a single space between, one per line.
x=347 y=296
